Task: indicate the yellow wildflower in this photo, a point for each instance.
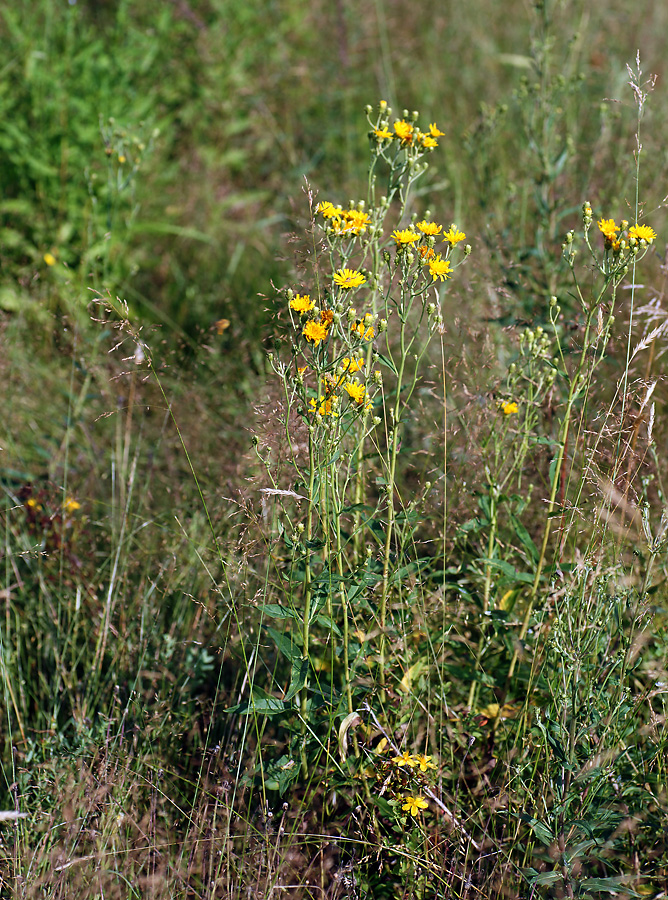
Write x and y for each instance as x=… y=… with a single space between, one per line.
x=509 y=407
x=426 y=253
x=356 y=220
x=49 y=259
x=440 y=268
x=428 y=142
x=302 y=303
x=428 y=228
x=366 y=334
x=314 y=332
x=383 y=134
x=355 y=391
x=642 y=233
x=608 y=228
x=404 y=131
x=352 y=365
x=348 y=278
x=325 y=406
x=71 y=505
x=328 y=210
x=413 y=805
x=405 y=237
x=327 y=317
x=32 y=503
x=454 y=236
x=434 y=132
x=424 y=762
x=406 y=759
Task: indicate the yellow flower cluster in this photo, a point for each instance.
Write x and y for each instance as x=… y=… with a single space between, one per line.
x=413 y=761
x=408 y=135
x=344 y=221
x=610 y=231
x=508 y=407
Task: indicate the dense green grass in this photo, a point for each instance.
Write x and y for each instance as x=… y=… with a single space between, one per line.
x=155 y=161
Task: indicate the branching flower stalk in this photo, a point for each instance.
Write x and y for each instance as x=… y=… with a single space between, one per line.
x=619 y=252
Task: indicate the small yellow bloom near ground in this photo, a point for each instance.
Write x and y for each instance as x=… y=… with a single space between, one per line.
x=222 y=325
x=608 y=229
x=404 y=131
x=424 y=762
x=434 y=132
x=302 y=303
x=406 y=759
x=348 y=278
x=32 y=503
x=508 y=407
x=429 y=228
x=454 y=236
x=71 y=505
x=405 y=237
x=325 y=406
x=413 y=805
x=440 y=268
x=50 y=259
x=642 y=233
x=314 y=332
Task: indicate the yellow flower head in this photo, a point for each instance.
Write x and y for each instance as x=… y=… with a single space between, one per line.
x=424 y=762
x=325 y=406
x=383 y=134
x=406 y=237
x=428 y=142
x=642 y=233
x=361 y=330
x=454 y=236
x=327 y=317
x=429 y=228
x=413 y=805
x=509 y=407
x=355 y=391
x=71 y=505
x=49 y=259
x=356 y=221
x=328 y=210
x=426 y=253
x=404 y=131
x=608 y=229
x=434 y=132
x=314 y=332
x=348 y=278
x=406 y=759
x=352 y=365
x=440 y=268
x=302 y=303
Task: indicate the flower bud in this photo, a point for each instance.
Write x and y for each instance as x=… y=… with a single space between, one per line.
x=382 y=326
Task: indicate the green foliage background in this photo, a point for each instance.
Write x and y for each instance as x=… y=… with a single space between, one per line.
x=161 y=152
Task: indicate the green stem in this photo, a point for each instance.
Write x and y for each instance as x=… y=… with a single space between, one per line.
x=303 y=696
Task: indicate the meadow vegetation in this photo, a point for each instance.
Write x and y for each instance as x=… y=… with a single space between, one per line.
x=332 y=450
